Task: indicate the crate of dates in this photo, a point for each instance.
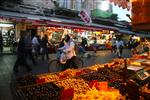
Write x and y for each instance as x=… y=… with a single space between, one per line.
x=26 y=80
x=47 y=91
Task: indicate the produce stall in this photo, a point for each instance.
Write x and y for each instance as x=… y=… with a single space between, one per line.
x=110 y=81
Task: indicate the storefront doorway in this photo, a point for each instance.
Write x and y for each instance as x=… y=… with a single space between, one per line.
x=8 y=36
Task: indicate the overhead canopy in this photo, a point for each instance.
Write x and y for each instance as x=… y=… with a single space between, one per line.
x=52 y=21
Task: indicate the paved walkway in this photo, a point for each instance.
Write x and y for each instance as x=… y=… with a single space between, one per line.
x=7 y=63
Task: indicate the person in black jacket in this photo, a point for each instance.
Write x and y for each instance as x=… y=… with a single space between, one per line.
x=1 y=42
x=44 y=47
x=21 y=57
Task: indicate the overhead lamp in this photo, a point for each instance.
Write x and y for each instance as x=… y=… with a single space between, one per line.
x=6 y=25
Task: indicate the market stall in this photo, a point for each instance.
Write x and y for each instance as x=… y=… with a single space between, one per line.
x=110 y=81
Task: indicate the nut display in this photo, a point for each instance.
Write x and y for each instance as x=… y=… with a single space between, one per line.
x=49 y=77
x=68 y=73
x=79 y=85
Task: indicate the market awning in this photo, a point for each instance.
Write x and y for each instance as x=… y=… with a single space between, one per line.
x=52 y=21
x=124 y=31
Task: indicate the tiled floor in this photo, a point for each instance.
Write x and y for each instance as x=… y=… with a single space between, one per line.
x=7 y=62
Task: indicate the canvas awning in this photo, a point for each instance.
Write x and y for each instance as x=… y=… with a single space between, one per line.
x=52 y=21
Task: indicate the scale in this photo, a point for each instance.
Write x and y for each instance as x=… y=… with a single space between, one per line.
x=138 y=73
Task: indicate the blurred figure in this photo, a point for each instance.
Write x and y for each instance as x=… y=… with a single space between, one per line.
x=62 y=43
x=1 y=42
x=95 y=45
x=39 y=46
x=146 y=46
x=84 y=42
x=113 y=45
x=35 y=45
x=44 y=47
x=28 y=47
x=119 y=47
x=21 y=55
x=131 y=43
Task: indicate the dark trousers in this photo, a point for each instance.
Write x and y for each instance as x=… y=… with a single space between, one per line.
x=21 y=61
x=71 y=63
x=28 y=53
x=1 y=48
x=45 y=52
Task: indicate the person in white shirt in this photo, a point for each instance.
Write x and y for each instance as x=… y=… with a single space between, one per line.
x=119 y=47
x=35 y=45
x=69 y=52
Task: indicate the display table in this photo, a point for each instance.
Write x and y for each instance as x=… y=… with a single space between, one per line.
x=78 y=84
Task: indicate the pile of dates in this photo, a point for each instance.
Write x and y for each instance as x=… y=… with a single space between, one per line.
x=103 y=74
x=120 y=85
x=47 y=91
x=27 y=80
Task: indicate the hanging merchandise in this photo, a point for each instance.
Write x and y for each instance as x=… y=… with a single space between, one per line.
x=122 y=3
x=141 y=14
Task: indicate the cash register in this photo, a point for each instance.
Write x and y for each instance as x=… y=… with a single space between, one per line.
x=139 y=74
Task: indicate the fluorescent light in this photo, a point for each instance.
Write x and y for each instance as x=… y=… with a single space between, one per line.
x=6 y=25
x=33 y=18
x=56 y=20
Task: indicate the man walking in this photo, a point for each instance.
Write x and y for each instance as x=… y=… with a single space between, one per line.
x=21 y=57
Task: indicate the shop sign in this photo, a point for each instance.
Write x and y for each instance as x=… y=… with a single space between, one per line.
x=85 y=16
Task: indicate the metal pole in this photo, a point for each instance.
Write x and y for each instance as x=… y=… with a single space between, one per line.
x=125 y=70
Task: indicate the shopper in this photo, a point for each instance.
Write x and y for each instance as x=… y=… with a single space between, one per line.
x=61 y=44
x=113 y=45
x=119 y=47
x=21 y=55
x=35 y=45
x=28 y=47
x=69 y=52
x=39 y=46
x=44 y=47
x=95 y=45
x=84 y=42
x=1 y=42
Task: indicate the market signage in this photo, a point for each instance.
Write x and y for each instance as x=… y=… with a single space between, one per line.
x=85 y=16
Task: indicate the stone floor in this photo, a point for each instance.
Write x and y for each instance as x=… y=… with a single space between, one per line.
x=7 y=62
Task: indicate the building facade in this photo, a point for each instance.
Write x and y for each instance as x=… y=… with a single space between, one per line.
x=85 y=4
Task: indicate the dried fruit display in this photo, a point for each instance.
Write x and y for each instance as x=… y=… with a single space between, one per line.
x=41 y=92
x=103 y=74
x=27 y=80
x=49 y=77
x=67 y=73
x=79 y=85
x=94 y=94
x=96 y=66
